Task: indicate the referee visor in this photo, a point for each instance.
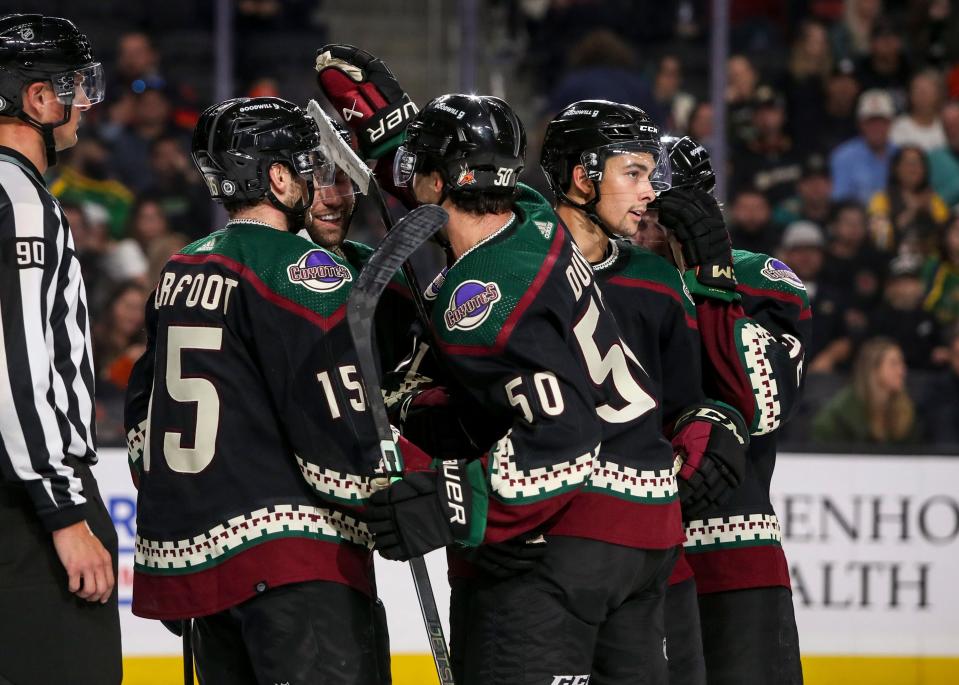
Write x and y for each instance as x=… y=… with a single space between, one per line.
x=82 y=87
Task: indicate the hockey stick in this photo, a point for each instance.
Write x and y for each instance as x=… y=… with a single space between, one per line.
x=334 y=148
x=394 y=250
x=186 y=625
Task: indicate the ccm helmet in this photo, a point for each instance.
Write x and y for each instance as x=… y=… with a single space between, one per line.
x=236 y=142
x=476 y=143
x=37 y=48
x=690 y=163
x=588 y=133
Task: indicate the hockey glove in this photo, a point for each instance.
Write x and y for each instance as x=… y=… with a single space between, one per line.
x=431 y=418
x=710 y=442
x=511 y=558
x=427 y=510
x=367 y=95
x=696 y=220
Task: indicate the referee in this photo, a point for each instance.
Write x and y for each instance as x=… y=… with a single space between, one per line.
x=58 y=605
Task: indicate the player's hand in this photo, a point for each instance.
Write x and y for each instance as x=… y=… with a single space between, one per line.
x=431 y=418
x=422 y=511
x=88 y=564
x=710 y=443
x=694 y=217
x=366 y=94
x=511 y=558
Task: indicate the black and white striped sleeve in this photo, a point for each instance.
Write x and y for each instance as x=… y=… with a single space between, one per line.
x=46 y=371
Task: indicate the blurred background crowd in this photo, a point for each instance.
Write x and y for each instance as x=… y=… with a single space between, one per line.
x=842 y=143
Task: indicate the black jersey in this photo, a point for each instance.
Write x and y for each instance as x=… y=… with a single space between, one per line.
x=753 y=359
x=523 y=329
x=248 y=426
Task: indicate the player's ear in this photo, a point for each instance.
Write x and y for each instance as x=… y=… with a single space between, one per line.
x=280 y=179
x=581 y=187
x=436 y=179
x=34 y=98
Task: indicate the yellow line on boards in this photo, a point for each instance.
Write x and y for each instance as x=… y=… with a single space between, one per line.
x=417 y=669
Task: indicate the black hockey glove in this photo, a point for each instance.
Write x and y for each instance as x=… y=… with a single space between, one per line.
x=696 y=220
x=431 y=418
x=710 y=442
x=511 y=558
x=427 y=510
x=366 y=94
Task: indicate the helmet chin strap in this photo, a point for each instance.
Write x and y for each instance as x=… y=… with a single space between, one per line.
x=295 y=215
x=589 y=209
x=46 y=130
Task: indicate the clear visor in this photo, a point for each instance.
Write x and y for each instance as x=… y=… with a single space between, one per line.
x=82 y=87
x=312 y=163
x=338 y=185
x=642 y=160
x=404 y=166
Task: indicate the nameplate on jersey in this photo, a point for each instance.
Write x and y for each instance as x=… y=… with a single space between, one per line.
x=319 y=272
x=470 y=305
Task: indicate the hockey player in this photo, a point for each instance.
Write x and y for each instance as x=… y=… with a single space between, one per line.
x=605 y=164
x=754 y=322
x=248 y=425
x=522 y=328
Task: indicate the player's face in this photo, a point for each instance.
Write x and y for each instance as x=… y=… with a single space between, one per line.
x=626 y=191
x=427 y=188
x=331 y=210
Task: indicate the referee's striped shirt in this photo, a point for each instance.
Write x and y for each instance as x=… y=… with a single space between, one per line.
x=46 y=367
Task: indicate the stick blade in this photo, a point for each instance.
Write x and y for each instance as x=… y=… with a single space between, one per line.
x=334 y=148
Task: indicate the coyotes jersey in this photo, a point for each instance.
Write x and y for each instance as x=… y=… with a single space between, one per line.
x=523 y=329
x=752 y=354
x=248 y=428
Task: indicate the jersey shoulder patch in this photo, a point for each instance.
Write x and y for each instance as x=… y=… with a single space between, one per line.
x=282 y=263
x=760 y=272
x=493 y=283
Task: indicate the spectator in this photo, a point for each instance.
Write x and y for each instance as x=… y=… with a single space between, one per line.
x=901 y=317
x=701 y=123
x=850 y=38
x=837 y=122
x=152 y=118
x=813 y=198
x=885 y=67
x=941 y=278
x=860 y=167
x=908 y=214
x=742 y=80
x=85 y=179
x=944 y=161
x=137 y=64
x=603 y=66
x=90 y=242
x=940 y=401
x=750 y=225
x=810 y=65
x=875 y=407
x=127 y=261
x=768 y=161
x=921 y=125
x=178 y=189
x=669 y=97
x=852 y=264
x=803 y=250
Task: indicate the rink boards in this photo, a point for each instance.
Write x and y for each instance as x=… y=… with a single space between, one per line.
x=873 y=546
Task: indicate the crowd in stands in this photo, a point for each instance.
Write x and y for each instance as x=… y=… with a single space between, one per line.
x=843 y=148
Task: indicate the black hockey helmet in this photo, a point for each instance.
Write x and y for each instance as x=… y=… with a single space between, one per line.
x=588 y=133
x=37 y=48
x=237 y=141
x=690 y=163
x=476 y=143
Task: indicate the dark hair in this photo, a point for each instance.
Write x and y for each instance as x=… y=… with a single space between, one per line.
x=842 y=206
x=897 y=157
x=233 y=207
x=480 y=203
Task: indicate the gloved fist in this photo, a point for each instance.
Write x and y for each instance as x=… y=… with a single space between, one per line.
x=710 y=443
x=423 y=511
x=366 y=94
x=430 y=417
x=694 y=217
x=511 y=558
